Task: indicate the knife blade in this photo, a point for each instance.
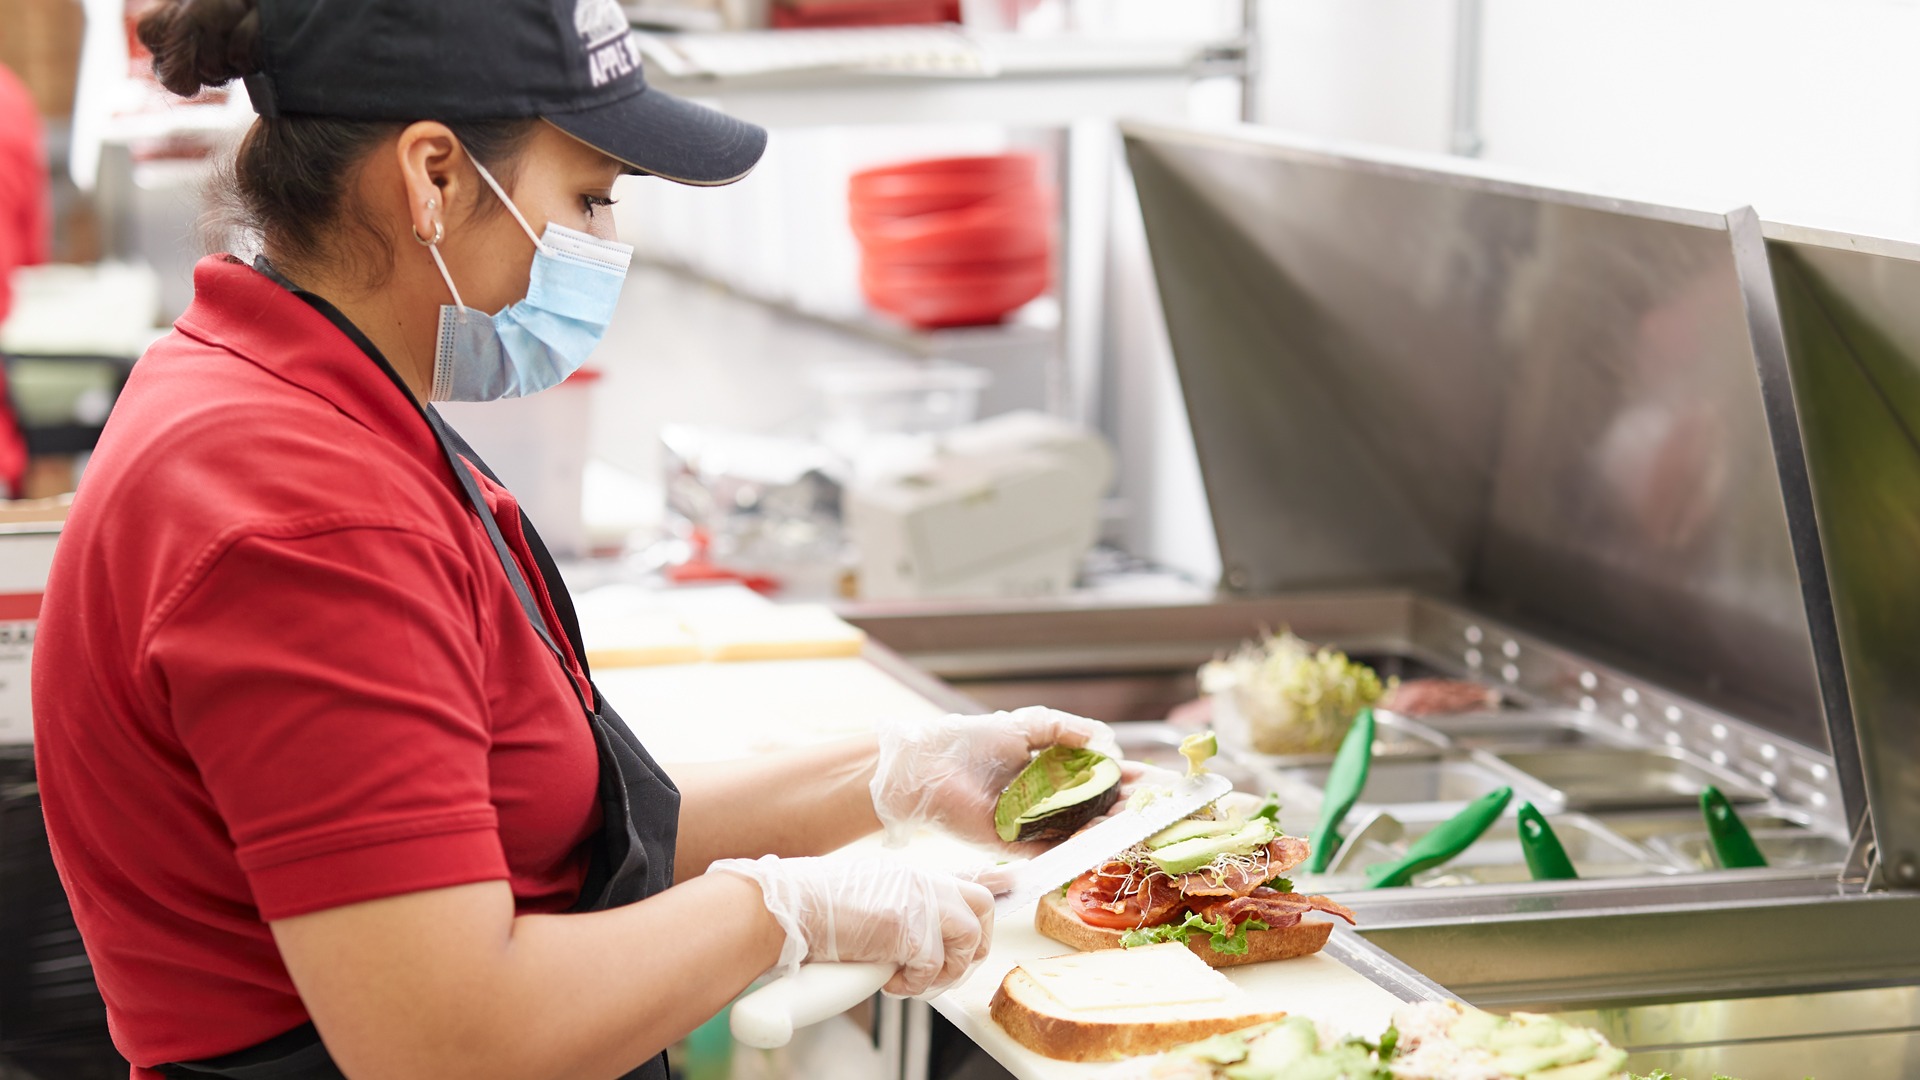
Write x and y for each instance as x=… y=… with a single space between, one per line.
x=767 y=1017
x=1092 y=846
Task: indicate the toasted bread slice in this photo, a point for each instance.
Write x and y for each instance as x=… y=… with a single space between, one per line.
x=1071 y=1009
x=1056 y=920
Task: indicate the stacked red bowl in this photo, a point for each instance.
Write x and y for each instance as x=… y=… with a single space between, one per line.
x=961 y=241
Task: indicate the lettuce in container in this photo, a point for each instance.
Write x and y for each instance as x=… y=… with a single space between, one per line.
x=1290 y=697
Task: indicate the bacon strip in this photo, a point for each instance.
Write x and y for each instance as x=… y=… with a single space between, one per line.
x=1321 y=903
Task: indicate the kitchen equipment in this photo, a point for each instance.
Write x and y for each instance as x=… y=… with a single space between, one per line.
x=1377 y=830
x=1345 y=780
x=1006 y=507
x=1443 y=843
x=767 y=1017
x=1546 y=856
x=1627 y=778
x=1411 y=788
x=26 y=556
x=1522 y=728
x=1733 y=845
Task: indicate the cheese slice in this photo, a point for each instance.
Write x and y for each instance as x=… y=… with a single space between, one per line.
x=1146 y=977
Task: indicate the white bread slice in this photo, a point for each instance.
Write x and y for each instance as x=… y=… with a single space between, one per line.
x=1191 y=1002
x=1056 y=919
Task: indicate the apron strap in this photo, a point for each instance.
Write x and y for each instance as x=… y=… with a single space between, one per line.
x=442 y=435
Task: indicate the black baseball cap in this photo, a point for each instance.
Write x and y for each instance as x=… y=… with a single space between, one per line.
x=575 y=63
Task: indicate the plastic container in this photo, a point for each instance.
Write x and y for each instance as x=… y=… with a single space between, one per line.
x=864 y=400
x=538 y=447
x=953 y=241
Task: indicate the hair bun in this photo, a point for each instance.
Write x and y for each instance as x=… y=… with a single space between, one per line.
x=201 y=43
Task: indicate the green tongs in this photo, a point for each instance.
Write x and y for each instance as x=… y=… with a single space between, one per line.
x=1546 y=857
x=1344 y=781
x=1733 y=845
x=1443 y=842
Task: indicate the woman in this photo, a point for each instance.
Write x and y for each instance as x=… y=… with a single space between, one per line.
x=326 y=781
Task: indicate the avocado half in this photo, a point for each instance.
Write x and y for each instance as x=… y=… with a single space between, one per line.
x=1061 y=789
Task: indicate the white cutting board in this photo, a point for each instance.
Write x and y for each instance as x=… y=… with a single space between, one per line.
x=1315 y=986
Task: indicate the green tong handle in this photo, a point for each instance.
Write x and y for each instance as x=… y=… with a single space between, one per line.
x=1450 y=838
x=1344 y=781
x=1546 y=858
x=1732 y=844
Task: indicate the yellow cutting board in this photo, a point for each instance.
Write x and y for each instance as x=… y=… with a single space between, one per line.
x=713 y=712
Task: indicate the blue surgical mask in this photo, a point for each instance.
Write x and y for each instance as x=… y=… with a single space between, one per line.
x=535 y=343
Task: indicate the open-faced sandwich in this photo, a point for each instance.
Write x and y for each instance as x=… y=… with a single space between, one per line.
x=1215 y=881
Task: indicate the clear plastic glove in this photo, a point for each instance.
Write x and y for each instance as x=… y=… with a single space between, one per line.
x=934 y=925
x=950 y=772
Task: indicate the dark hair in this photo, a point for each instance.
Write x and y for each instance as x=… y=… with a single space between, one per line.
x=289 y=177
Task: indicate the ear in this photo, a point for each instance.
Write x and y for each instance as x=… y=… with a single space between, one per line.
x=428 y=152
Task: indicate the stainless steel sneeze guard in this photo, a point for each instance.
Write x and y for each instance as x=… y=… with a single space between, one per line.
x=1850 y=328
x=1405 y=374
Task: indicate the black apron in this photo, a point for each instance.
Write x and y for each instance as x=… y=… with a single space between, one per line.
x=632 y=854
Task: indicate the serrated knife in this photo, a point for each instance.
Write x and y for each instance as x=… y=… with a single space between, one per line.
x=767 y=1017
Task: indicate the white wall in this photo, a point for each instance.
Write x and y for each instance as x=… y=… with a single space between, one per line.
x=1808 y=109
x=1378 y=71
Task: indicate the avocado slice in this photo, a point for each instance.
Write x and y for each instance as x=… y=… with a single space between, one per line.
x=1523 y=1030
x=1474 y=1028
x=1269 y=1056
x=1061 y=789
x=1605 y=1065
x=1574 y=1046
x=1191 y=828
x=1197 y=748
x=1189 y=855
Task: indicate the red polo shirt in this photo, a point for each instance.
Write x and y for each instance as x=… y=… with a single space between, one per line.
x=279 y=670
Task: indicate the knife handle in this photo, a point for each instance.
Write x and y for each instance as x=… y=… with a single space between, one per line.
x=1345 y=779
x=766 y=1018
x=1733 y=845
x=1546 y=856
x=1449 y=838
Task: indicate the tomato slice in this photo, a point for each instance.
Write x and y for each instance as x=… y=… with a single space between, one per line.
x=1094 y=897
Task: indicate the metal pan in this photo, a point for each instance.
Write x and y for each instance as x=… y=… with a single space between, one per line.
x=1543 y=729
x=1627 y=778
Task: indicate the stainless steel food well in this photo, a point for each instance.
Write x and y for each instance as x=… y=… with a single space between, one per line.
x=1495 y=858
x=1408 y=788
x=1520 y=728
x=1628 y=778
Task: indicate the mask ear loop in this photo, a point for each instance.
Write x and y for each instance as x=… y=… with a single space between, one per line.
x=511 y=209
x=433 y=249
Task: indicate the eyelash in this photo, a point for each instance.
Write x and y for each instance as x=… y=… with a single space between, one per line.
x=596 y=202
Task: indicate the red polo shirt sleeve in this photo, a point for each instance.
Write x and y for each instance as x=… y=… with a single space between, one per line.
x=326 y=681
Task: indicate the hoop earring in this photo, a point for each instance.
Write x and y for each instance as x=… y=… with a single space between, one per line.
x=439 y=234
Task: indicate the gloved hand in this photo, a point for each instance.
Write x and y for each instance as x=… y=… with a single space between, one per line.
x=934 y=925
x=949 y=772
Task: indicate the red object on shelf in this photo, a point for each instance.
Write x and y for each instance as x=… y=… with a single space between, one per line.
x=802 y=14
x=953 y=241
x=973 y=294
x=699 y=569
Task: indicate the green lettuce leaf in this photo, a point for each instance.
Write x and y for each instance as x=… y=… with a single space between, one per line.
x=1225 y=941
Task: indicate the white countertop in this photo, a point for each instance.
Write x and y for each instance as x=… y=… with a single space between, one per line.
x=1317 y=986
x=762 y=706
